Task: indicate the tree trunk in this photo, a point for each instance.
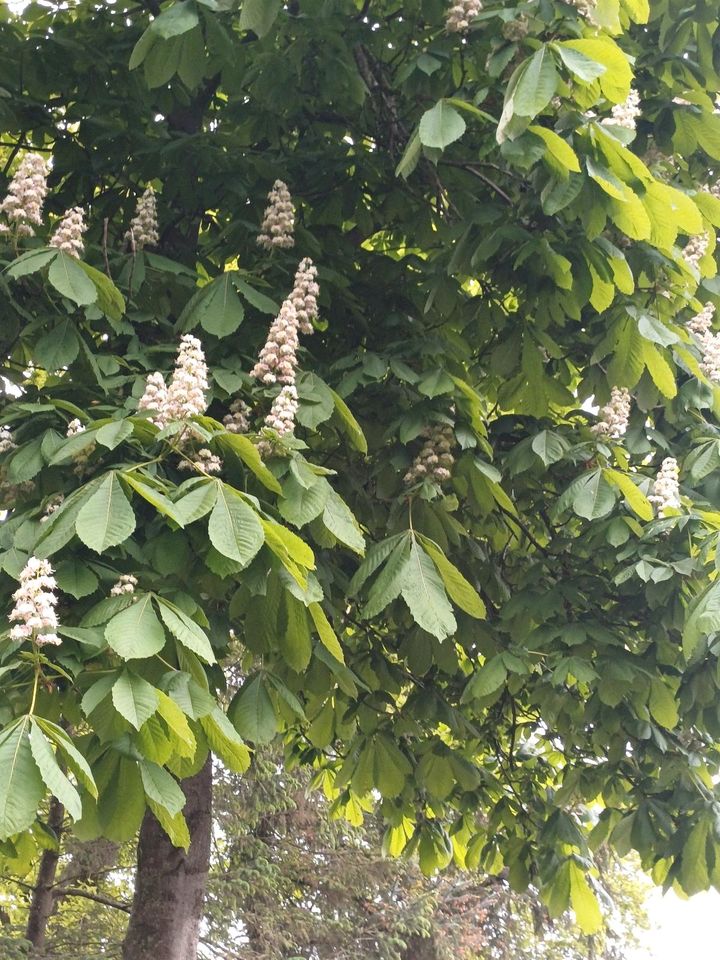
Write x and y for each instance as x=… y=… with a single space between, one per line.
x=43 y=899
x=170 y=883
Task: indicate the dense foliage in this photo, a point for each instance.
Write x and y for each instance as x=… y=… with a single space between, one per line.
x=457 y=588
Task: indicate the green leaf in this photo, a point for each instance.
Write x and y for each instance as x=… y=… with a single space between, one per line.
x=175 y=20
x=425 y=596
x=694 y=875
x=259 y=15
x=536 y=85
x=175 y=827
x=559 y=148
x=114 y=433
x=21 y=786
x=76 y=578
x=458 y=588
x=109 y=298
x=197 y=503
x=489 y=678
x=31 y=262
x=633 y=496
x=549 y=447
x=339 y=520
x=255 y=298
x=252 y=713
x=107 y=519
x=234 y=528
x=300 y=504
x=70 y=280
x=350 y=425
x=161 y=503
x=579 y=63
x=134 y=698
x=51 y=772
x=220 y=310
x=440 y=126
x=74 y=759
x=703 y=618
x=615 y=82
x=411 y=156
x=663 y=705
x=160 y=787
x=584 y=902
x=390 y=580
x=594 y=497
x=224 y=740
x=294 y=642
x=245 y=450
x=136 y=633
x=327 y=635
x=189 y=633
x=58 y=347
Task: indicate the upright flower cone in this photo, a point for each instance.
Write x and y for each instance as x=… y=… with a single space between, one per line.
x=278 y=357
x=615 y=415
x=189 y=382
x=278 y=224
x=68 y=236
x=461 y=14
x=143 y=230
x=23 y=205
x=304 y=295
x=35 y=600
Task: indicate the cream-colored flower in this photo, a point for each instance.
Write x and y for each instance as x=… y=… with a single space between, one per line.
x=189 y=382
x=460 y=14
x=615 y=415
x=205 y=462
x=278 y=224
x=35 y=600
x=304 y=295
x=278 y=357
x=68 y=236
x=25 y=197
x=124 y=586
x=238 y=420
x=155 y=398
x=666 y=488
x=74 y=428
x=143 y=230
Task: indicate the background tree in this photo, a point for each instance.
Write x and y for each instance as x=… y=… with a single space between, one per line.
x=512 y=214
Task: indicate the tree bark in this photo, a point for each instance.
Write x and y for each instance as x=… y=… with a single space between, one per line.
x=420 y=948
x=43 y=898
x=170 y=883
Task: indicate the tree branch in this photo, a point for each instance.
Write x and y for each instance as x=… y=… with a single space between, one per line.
x=95 y=897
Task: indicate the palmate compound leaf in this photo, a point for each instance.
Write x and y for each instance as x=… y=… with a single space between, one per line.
x=459 y=589
x=21 y=785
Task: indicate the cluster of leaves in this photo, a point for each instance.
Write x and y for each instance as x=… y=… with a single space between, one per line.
x=525 y=663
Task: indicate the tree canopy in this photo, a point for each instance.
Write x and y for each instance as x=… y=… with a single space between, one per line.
x=362 y=392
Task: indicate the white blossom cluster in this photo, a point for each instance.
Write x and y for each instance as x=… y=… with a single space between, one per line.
x=282 y=413
x=460 y=13
x=35 y=602
x=615 y=415
x=25 y=197
x=74 y=428
x=278 y=357
x=6 y=440
x=666 y=488
x=143 y=230
x=205 y=462
x=701 y=326
x=278 y=224
x=185 y=396
x=155 y=398
x=626 y=114
x=304 y=295
x=281 y=418
x=695 y=250
x=68 y=236
x=53 y=504
x=189 y=382
x=125 y=585
x=238 y=420
x=434 y=460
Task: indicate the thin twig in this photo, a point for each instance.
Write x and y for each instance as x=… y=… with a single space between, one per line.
x=105 y=247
